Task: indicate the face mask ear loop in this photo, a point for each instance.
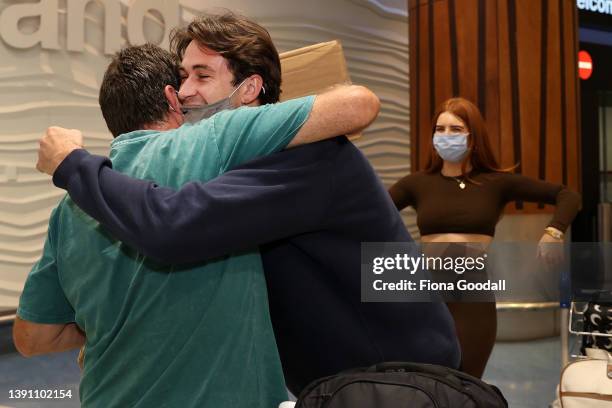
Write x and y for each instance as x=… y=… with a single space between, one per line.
x=237 y=88
x=170 y=106
x=183 y=111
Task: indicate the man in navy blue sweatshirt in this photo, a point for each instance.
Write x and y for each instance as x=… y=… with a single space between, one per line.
x=309 y=209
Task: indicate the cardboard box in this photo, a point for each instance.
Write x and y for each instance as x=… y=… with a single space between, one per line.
x=312 y=69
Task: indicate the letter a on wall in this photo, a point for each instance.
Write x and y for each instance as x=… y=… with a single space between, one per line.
x=47 y=33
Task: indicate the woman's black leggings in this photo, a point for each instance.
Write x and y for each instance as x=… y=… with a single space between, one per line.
x=476 y=325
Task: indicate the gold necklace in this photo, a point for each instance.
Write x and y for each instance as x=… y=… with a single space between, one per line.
x=459 y=180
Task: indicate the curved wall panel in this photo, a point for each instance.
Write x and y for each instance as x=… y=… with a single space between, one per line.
x=58 y=87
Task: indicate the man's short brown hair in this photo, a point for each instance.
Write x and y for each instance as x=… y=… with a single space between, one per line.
x=132 y=91
x=247 y=47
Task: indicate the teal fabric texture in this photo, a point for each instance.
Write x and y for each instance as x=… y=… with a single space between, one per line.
x=159 y=335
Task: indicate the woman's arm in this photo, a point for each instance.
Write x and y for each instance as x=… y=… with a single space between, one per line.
x=402 y=192
x=567 y=203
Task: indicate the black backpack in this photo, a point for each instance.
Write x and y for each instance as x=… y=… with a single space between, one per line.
x=393 y=385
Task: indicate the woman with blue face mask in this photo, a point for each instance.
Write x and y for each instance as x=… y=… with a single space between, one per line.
x=460 y=197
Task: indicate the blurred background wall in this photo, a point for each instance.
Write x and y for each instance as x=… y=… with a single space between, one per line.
x=44 y=82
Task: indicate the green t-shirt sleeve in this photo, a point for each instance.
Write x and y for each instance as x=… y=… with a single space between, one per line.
x=43 y=299
x=249 y=132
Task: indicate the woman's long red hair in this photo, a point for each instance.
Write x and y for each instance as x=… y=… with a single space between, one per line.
x=480 y=155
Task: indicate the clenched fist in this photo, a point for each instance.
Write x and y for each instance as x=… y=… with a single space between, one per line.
x=55 y=145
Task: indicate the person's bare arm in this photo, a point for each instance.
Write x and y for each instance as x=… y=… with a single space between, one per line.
x=32 y=338
x=345 y=109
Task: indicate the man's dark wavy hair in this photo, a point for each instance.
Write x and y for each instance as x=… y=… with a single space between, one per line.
x=247 y=47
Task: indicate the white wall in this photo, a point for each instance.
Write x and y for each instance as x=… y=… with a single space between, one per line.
x=43 y=87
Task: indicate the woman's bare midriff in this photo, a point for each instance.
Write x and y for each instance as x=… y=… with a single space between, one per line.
x=455 y=237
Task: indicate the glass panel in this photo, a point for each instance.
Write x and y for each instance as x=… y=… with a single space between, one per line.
x=605 y=140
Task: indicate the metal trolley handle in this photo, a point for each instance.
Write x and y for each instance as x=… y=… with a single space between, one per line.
x=574 y=310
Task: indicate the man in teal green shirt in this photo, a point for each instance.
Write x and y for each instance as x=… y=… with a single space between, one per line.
x=191 y=337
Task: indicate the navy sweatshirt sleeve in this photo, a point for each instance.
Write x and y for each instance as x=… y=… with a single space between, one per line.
x=264 y=200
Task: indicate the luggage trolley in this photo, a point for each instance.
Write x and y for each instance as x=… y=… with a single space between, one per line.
x=586 y=296
x=579 y=324
x=586 y=377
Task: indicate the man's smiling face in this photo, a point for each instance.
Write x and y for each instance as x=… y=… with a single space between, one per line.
x=205 y=76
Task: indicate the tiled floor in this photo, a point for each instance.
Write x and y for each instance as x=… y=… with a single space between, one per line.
x=526 y=372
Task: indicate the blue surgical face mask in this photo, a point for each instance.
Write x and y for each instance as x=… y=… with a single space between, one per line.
x=451 y=147
x=195 y=114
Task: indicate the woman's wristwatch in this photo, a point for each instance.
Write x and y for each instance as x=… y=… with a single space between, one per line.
x=553 y=232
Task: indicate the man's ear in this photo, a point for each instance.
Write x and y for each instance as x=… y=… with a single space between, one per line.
x=173 y=102
x=249 y=92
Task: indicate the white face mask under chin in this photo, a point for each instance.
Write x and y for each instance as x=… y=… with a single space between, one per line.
x=195 y=114
x=451 y=147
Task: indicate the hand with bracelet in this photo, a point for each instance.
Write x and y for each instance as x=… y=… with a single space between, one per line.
x=550 y=247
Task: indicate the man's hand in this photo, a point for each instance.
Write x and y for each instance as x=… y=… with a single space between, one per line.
x=55 y=145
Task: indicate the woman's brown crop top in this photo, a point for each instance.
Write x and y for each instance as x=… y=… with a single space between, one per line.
x=443 y=207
